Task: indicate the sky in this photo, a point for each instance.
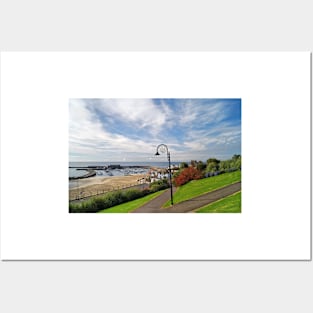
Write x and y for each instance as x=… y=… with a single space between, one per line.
x=129 y=130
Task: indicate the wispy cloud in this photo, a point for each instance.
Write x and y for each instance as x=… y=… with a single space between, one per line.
x=117 y=129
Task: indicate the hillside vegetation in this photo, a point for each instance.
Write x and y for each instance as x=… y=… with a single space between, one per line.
x=131 y=205
x=230 y=204
x=196 y=188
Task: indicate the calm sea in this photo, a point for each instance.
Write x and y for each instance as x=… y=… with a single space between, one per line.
x=73 y=172
x=85 y=164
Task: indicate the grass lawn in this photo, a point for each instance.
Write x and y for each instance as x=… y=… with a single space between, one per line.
x=230 y=204
x=198 y=187
x=131 y=205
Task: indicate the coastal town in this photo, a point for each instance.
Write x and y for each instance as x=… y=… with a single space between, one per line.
x=97 y=180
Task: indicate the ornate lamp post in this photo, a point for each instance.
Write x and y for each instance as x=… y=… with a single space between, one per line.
x=163 y=148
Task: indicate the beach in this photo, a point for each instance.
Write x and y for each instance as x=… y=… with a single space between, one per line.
x=101 y=184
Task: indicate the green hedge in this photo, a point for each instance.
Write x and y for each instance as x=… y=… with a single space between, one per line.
x=108 y=200
x=159 y=185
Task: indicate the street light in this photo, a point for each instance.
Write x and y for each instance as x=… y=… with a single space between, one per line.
x=163 y=148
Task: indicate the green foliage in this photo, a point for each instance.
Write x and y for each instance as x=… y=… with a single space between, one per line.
x=236 y=157
x=159 y=185
x=183 y=165
x=232 y=164
x=237 y=161
x=213 y=160
x=212 y=165
x=108 y=200
x=132 y=205
x=87 y=206
x=198 y=187
x=225 y=165
x=230 y=204
x=177 y=173
x=131 y=194
x=201 y=166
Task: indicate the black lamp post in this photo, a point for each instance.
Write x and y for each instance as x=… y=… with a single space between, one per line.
x=163 y=148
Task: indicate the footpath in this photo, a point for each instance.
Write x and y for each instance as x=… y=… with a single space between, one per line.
x=155 y=205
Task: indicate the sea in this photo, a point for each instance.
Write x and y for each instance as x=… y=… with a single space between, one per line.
x=156 y=164
x=73 y=172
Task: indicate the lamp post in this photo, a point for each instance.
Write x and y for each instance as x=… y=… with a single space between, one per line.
x=163 y=148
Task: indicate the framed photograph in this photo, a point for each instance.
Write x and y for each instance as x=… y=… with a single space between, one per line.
x=155 y=155
x=155 y=132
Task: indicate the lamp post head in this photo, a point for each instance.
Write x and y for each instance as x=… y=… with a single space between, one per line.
x=157 y=153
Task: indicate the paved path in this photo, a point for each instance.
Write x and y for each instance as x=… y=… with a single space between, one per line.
x=155 y=205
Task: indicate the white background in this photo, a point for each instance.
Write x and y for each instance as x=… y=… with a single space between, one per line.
x=156 y=286
x=275 y=93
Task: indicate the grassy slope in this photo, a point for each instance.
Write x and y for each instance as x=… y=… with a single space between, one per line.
x=198 y=187
x=230 y=204
x=131 y=205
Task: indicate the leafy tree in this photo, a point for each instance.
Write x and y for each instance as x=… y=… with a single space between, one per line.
x=213 y=160
x=187 y=175
x=213 y=165
x=231 y=164
x=183 y=165
x=201 y=166
x=236 y=157
x=237 y=161
x=225 y=165
x=159 y=185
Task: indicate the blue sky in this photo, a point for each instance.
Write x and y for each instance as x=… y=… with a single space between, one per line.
x=111 y=130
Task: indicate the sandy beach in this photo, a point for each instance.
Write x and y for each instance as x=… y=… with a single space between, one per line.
x=97 y=185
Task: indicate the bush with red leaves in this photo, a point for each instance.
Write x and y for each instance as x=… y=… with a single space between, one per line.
x=187 y=175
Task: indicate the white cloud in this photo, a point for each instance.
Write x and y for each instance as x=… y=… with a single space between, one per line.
x=141 y=113
x=93 y=140
x=88 y=138
x=196 y=111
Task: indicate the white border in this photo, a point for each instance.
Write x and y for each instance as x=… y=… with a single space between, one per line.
x=275 y=92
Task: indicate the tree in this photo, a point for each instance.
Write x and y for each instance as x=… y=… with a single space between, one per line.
x=236 y=157
x=231 y=164
x=201 y=166
x=187 y=175
x=183 y=165
x=225 y=165
x=212 y=160
x=213 y=165
x=236 y=161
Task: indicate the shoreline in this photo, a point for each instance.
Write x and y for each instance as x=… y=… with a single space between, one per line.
x=87 y=180
x=91 y=170
x=99 y=184
x=105 y=180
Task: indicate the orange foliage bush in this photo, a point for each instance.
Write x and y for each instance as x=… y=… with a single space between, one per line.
x=187 y=175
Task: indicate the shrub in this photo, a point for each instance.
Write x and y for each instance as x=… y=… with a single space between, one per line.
x=132 y=194
x=187 y=175
x=84 y=207
x=146 y=191
x=104 y=202
x=111 y=199
x=159 y=185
